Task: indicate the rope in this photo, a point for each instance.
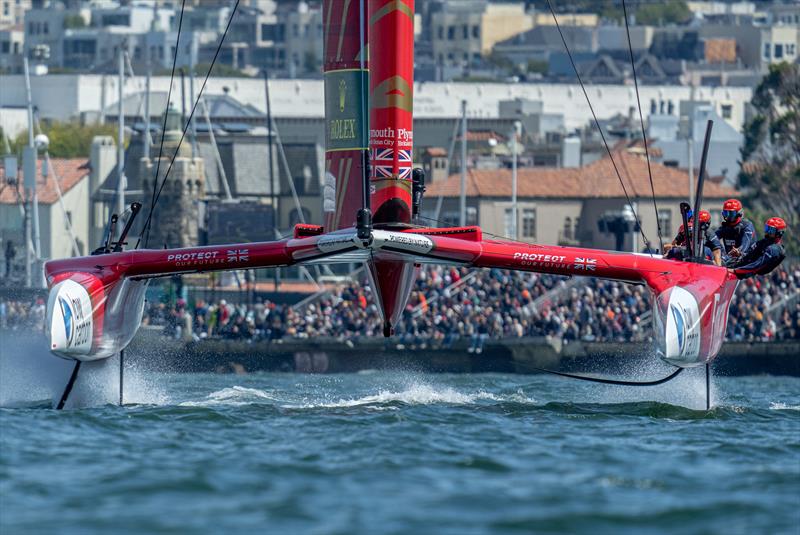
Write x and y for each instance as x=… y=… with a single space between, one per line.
x=596 y=122
x=146 y=231
x=188 y=122
x=644 y=134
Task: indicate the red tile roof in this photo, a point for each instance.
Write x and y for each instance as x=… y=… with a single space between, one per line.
x=435 y=151
x=70 y=172
x=596 y=180
x=483 y=135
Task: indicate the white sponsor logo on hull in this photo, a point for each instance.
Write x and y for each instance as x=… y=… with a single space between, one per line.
x=411 y=243
x=682 y=328
x=69 y=317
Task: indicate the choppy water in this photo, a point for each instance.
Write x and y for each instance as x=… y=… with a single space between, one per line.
x=390 y=452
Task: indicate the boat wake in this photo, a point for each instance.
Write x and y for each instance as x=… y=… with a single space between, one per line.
x=418 y=394
x=233 y=396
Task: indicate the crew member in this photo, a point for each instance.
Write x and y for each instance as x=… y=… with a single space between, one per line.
x=712 y=247
x=737 y=234
x=766 y=254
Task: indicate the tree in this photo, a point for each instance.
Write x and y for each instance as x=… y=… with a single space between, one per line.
x=68 y=140
x=658 y=14
x=770 y=171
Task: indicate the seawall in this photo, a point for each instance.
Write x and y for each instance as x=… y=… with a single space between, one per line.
x=517 y=355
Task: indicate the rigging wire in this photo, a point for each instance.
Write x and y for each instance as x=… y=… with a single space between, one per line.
x=596 y=122
x=148 y=222
x=146 y=228
x=644 y=134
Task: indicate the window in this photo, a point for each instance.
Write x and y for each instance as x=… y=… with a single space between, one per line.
x=116 y=19
x=727 y=111
x=5 y=47
x=476 y=32
x=451 y=33
x=665 y=221
x=508 y=224
x=790 y=49
x=465 y=32
x=767 y=50
x=440 y=32
x=45 y=28
x=450 y=218
x=778 y=51
x=529 y=223
x=568 y=228
x=472 y=215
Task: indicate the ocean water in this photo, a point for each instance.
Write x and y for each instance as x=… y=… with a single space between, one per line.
x=396 y=452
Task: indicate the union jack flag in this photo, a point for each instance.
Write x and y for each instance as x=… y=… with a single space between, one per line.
x=587 y=264
x=382 y=163
x=238 y=255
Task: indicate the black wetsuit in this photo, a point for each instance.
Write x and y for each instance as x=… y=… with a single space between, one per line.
x=742 y=235
x=710 y=244
x=763 y=257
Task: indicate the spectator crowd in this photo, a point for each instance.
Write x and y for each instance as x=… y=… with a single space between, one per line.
x=449 y=304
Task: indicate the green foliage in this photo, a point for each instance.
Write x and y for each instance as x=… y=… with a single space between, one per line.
x=771 y=151
x=651 y=13
x=669 y=12
x=201 y=69
x=311 y=63
x=537 y=66
x=74 y=21
x=68 y=140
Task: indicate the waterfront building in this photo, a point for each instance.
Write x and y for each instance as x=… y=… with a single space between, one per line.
x=12 y=44
x=63 y=222
x=564 y=205
x=464 y=31
x=12 y=12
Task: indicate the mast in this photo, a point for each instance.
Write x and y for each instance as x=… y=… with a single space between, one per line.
x=463 y=195
x=271 y=154
x=183 y=97
x=29 y=166
x=345 y=71
x=273 y=187
x=192 y=60
x=147 y=139
x=391 y=109
x=121 y=138
x=514 y=216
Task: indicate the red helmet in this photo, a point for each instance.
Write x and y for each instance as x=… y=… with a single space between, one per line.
x=774 y=227
x=705 y=216
x=732 y=211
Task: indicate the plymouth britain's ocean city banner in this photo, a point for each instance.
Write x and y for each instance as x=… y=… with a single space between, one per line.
x=391 y=38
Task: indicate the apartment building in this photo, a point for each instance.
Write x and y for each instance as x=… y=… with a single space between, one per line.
x=465 y=31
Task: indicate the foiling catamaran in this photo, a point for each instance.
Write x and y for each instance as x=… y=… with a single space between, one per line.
x=96 y=302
